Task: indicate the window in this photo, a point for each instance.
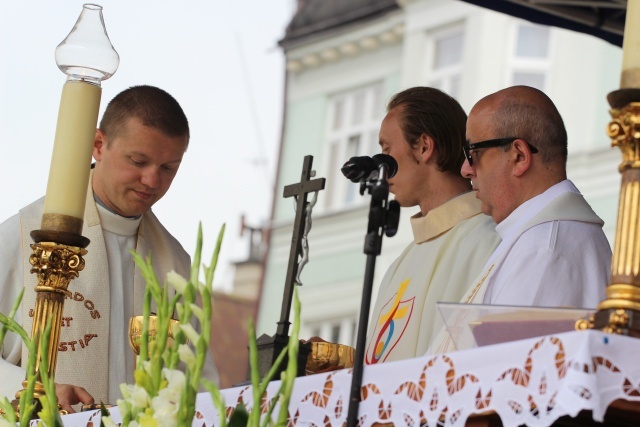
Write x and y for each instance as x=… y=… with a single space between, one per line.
x=340 y=331
x=446 y=62
x=530 y=56
x=353 y=131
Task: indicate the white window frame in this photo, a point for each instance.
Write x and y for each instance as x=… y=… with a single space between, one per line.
x=324 y=329
x=340 y=192
x=518 y=64
x=445 y=74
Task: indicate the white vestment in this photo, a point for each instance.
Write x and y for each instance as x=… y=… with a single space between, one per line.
x=95 y=318
x=553 y=253
x=451 y=244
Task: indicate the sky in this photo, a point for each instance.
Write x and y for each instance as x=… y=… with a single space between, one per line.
x=219 y=59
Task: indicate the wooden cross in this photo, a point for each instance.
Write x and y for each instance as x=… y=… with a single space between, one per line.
x=300 y=191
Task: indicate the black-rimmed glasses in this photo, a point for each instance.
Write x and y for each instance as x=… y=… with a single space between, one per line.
x=500 y=142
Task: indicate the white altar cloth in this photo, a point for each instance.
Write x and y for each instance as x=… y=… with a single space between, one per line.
x=532 y=382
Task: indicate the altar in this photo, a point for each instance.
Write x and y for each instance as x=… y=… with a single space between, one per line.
x=533 y=382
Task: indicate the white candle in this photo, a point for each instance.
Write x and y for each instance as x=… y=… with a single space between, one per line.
x=631 y=47
x=72 y=148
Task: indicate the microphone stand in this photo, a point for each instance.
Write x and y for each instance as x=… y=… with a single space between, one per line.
x=384 y=216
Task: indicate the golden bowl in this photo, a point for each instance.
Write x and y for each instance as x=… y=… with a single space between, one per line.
x=326 y=356
x=135 y=331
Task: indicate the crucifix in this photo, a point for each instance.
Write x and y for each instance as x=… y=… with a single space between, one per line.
x=299 y=248
x=269 y=347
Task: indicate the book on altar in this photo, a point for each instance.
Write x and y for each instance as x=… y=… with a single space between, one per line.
x=476 y=325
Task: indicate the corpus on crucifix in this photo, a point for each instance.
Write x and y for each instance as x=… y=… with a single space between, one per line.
x=269 y=347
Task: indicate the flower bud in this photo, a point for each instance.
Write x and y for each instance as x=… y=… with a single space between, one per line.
x=191 y=333
x=178 y=282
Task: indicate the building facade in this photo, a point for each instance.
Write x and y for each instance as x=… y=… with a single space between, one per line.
x=344 y=62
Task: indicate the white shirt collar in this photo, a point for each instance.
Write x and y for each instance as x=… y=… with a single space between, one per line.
x=118 y=224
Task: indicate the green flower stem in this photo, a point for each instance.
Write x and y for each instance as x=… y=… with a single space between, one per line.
x=218 y=401
x=14 y=327
x=9 y=414
x=49 y=413
x=8 y=324
x=146 y=311
x=12 y=314
x=259 y=388
x=292 y=366
x=195 y=266
x=254 y=416
x=239 y=416
x=26 y=398
x=193 y=305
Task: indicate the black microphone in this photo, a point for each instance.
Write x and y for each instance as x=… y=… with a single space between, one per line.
x=360 y=167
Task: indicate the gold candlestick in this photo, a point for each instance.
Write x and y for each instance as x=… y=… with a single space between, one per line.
x=620 y=312
x=87 y=57
x=55 y=265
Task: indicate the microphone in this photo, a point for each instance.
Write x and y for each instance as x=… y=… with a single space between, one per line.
x=360 y=167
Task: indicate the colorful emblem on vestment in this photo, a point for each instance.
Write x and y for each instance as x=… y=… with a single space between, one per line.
x=393 y=319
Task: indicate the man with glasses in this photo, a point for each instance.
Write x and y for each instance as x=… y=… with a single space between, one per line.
x=553 y=250
x=424 y=131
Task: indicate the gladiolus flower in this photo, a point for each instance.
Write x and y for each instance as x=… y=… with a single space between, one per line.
x=190 y=333
x=178 y=282
x=186 y=355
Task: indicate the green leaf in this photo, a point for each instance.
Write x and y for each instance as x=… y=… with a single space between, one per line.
x=239 y=417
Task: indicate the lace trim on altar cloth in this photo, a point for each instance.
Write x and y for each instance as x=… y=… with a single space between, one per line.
x=532 y=382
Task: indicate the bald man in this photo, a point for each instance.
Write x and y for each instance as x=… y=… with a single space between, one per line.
x=553 y=250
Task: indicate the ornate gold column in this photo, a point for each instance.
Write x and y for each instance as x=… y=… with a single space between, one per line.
x=620 y=311
x=55 y=265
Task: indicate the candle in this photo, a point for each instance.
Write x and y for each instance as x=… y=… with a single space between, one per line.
x=631 y=47
x=73 y=145
x=87 y=57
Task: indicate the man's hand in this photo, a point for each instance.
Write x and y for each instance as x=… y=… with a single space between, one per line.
x=71 y=395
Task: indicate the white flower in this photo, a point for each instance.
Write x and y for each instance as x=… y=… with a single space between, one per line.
x=198 y=312
x=139 y=397
x=135 y=396
x=165 y=411
x=175 y=386
x=5 y=423
x=108 y=422
x=178 y=282
x=190 y=333
x=186 y=355
x=122 y=405
x=124 y=389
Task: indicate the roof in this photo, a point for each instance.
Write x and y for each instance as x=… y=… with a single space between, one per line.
x=230 y=336
x=604 y=19
x=318 y=17
x=600 y=18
